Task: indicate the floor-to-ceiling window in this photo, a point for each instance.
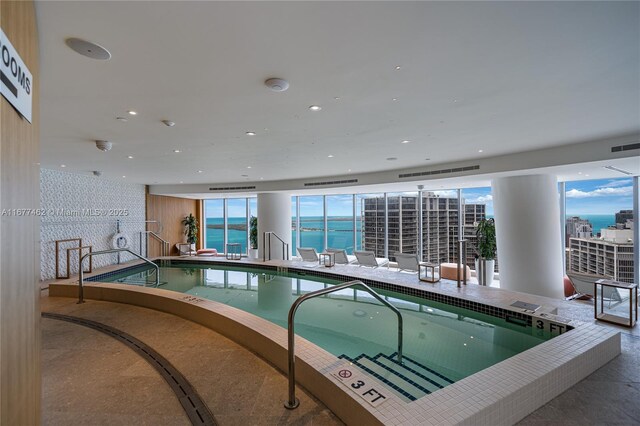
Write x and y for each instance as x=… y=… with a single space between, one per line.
x=237 y=222
x=312 y=222
x=372 y=211
x=440 y=226
x=477 y=205
x=214 y=229
x=402 y=223
x=340 y=223
x=294 y=224
x=598 y=230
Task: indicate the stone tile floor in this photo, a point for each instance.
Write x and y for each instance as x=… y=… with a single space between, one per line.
x=90 y=378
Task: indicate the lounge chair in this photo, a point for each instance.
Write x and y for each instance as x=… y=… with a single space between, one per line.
x=341 y=256
x=369 y=259
x=583 y=285
x=407 y=262
x=308 y=254
x=185 y=249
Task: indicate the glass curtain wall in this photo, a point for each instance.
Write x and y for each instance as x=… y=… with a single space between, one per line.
x=477 y=205
x=598 y=227
x=227 y=222
x=214 y=230
x=237 y=223
x=340 y=224
x=312 y=222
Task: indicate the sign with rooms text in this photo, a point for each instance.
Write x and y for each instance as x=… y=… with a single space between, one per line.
x=16 y=80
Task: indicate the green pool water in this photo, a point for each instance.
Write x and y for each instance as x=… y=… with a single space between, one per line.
x=453 y=341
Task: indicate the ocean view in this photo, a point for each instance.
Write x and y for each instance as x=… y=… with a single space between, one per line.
x=340 y=231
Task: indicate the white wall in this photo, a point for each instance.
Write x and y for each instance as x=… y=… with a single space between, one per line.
x=63 y=196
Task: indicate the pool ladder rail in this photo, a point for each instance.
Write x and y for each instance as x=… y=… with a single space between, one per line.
x=293 y=402
x=266 y=242
x=81 y=273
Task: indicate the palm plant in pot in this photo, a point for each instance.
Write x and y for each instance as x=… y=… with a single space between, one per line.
x=253 y=237
x=487 y=248
x=191 y=230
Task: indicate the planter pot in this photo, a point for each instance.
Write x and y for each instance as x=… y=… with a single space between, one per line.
x=253 y=254
x=485 y=270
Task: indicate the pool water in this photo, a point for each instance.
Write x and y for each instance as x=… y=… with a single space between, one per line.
x=449 y=341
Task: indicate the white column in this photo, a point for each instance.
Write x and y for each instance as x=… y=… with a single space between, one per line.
x=526 y=210
x=274 y=215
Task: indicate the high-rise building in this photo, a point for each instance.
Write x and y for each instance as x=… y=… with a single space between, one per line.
x=623 y=216
x=610 y=256
x=576 y=227
x=439 y=226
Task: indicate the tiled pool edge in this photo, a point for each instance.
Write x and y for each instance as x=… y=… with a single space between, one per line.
x=501 y=394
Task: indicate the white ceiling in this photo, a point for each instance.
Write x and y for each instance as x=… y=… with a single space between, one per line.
x=503 y=77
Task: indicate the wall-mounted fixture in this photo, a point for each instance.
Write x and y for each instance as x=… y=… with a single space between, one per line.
x=104 y=146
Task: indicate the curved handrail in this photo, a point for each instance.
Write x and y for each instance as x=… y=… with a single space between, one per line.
x=285 y=246
x=166 y=246
x=81 y=274
x=293 y=401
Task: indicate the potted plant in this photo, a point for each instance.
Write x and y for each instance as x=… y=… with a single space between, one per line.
x=191 y=230
x=486 y=240
x=253 y=237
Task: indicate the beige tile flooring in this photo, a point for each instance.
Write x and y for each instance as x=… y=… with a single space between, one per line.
x=90 y=378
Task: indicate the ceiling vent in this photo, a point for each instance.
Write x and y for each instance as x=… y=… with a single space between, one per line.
x=440 y=172
x=627 y=147
x=232 y=188
x=332 y=182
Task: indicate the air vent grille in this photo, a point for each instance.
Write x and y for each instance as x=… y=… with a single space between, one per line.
x=440 y=172
x=627 y=147
x=333 y=182
x=232 y=188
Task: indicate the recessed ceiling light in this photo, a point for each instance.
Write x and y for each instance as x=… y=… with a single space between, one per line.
x=63 y=165
x=349 y=170
x=251 y=133
x=394 y=99
x=122 y=119
x=248 y=167
x=181 y=182
x=579 y=173
x=392 y=158
x=132 y=113
x=480 y=150
x=315 y=107
x=124 y=176
x=398 y=67
x=261 y=178
x=405 y=141
x=177 y=151
x=130 y=157
x=199 y=171
x=330 y=156
x=337 y=98
x=586 y=174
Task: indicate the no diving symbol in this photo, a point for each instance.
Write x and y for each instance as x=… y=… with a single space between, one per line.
x=345 y=374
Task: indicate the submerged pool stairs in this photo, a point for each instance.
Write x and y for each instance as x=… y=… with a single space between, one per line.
x=410 y=380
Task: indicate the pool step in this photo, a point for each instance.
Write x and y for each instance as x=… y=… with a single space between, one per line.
x=409 y=380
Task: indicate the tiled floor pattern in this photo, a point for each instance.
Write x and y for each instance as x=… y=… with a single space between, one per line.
x=90 y=378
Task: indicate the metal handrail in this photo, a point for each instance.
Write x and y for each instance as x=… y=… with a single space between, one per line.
x=81 y=274
x=285 y=246
x=293 y=401
x=166 y=246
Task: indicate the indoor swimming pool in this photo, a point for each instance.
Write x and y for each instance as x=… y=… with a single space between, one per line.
x=442 y=343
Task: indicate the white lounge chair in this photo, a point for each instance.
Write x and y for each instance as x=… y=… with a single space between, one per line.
x=341 y=256
x=583 y=284
x=308 y=254
x=369 y=259
x=407 y=262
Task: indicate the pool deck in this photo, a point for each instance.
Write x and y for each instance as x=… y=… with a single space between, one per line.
x=512 y=388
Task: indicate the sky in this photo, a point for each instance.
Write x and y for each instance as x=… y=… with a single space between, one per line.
x=588 y=197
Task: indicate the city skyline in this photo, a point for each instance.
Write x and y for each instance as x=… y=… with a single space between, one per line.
x=588 y=197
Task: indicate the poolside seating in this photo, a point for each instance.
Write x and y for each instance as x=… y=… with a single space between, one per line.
x=583 y=284
x=369 y=259
x=341 y=256
x=185 y=249
x=308 y=254
x=448 y=271
x=407 y=262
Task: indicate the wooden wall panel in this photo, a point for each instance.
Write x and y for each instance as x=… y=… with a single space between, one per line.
x=20 y=235
x=170 y=211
